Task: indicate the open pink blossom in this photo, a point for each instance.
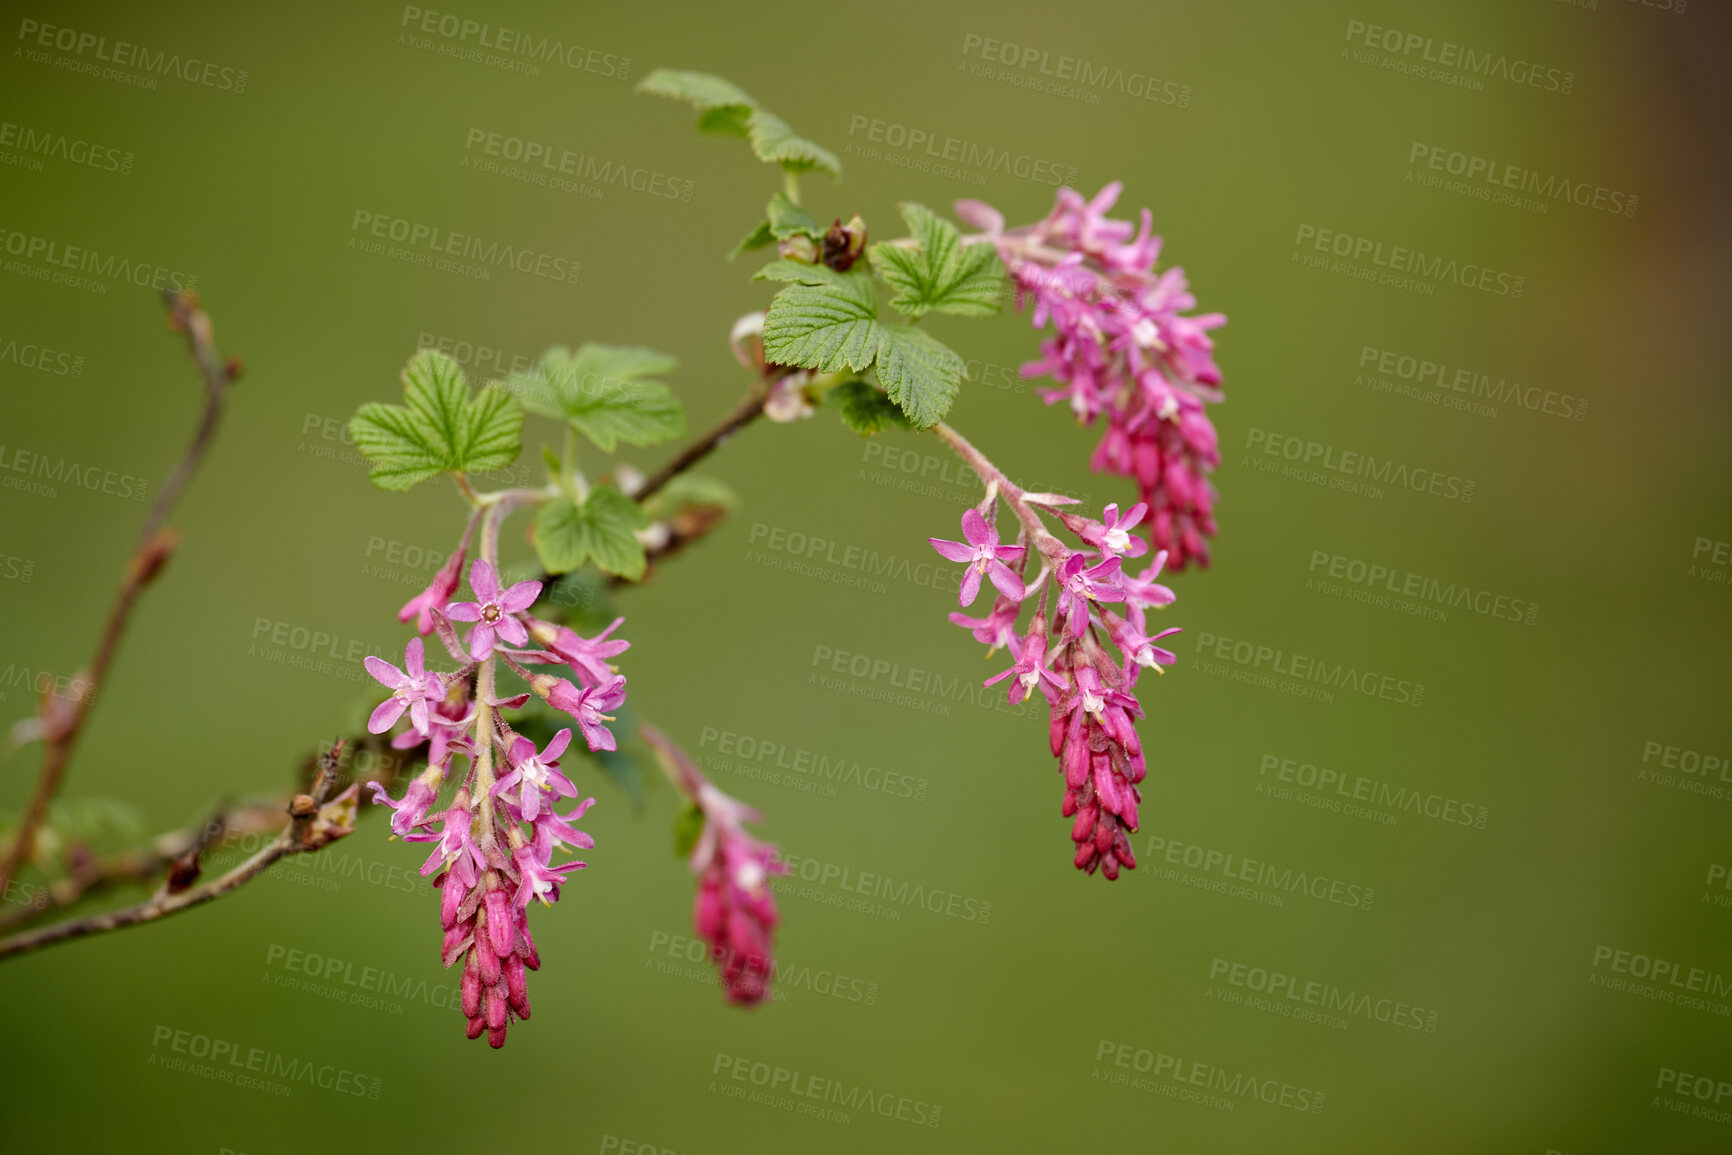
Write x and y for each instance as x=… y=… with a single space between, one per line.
x=410 y=691
x=984 y=556
x=588 y=706
x=493 y=609
x=535 y=774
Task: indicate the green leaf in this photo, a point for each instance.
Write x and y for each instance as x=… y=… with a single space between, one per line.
x=787 y=219
x=604 y=391
x=866 y=409
x=729 y=110
x=774 y=141
x=942 y=274
x=826 y=326
x=803 y=273
x=441 y=428
x=920 y=372
x=756 y=239
x=600 y=530
x=697 y=88
x=688 y=828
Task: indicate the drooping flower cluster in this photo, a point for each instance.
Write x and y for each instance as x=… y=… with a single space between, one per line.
x=495 y=845
x=1123 y=347
x=1070 y=657
x=735 y=910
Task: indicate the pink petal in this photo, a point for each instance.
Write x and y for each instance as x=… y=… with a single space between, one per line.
x=970 y=586
x=385 y=672
x=484 y=581
x=952 y=550
x=480 y=639
x=1007 y=582
x=511 y=630
x=556 y=746
x=520 y=596
x=385 y=715
x=975 y=529
x=414 y=658
x=464 y=611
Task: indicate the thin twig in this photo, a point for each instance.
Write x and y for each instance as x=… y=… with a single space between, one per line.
x=312 y=826
x=742 y=415
x=62 y=725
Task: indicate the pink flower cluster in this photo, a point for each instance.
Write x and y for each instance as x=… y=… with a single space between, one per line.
x=494 y=850
x=1090 y=691
x=1123 y=347
x=735 y=910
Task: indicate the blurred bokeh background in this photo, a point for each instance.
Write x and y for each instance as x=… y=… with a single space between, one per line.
x=1519 y=975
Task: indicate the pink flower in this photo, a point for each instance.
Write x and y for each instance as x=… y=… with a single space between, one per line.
x=734 y=909
x=1030 y=669
x=996 y=628
x=1124 y=346
x=1080 y=584
x=984 y=556
x=412 y=811
x=493 y=609
x=540 y=879
x=587 y=706
x=535 y=773
x=411 y=691
x=438 y=592
x=587 y=657
x=456 y=850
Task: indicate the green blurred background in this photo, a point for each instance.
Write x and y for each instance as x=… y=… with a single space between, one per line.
x=1029 y=1029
